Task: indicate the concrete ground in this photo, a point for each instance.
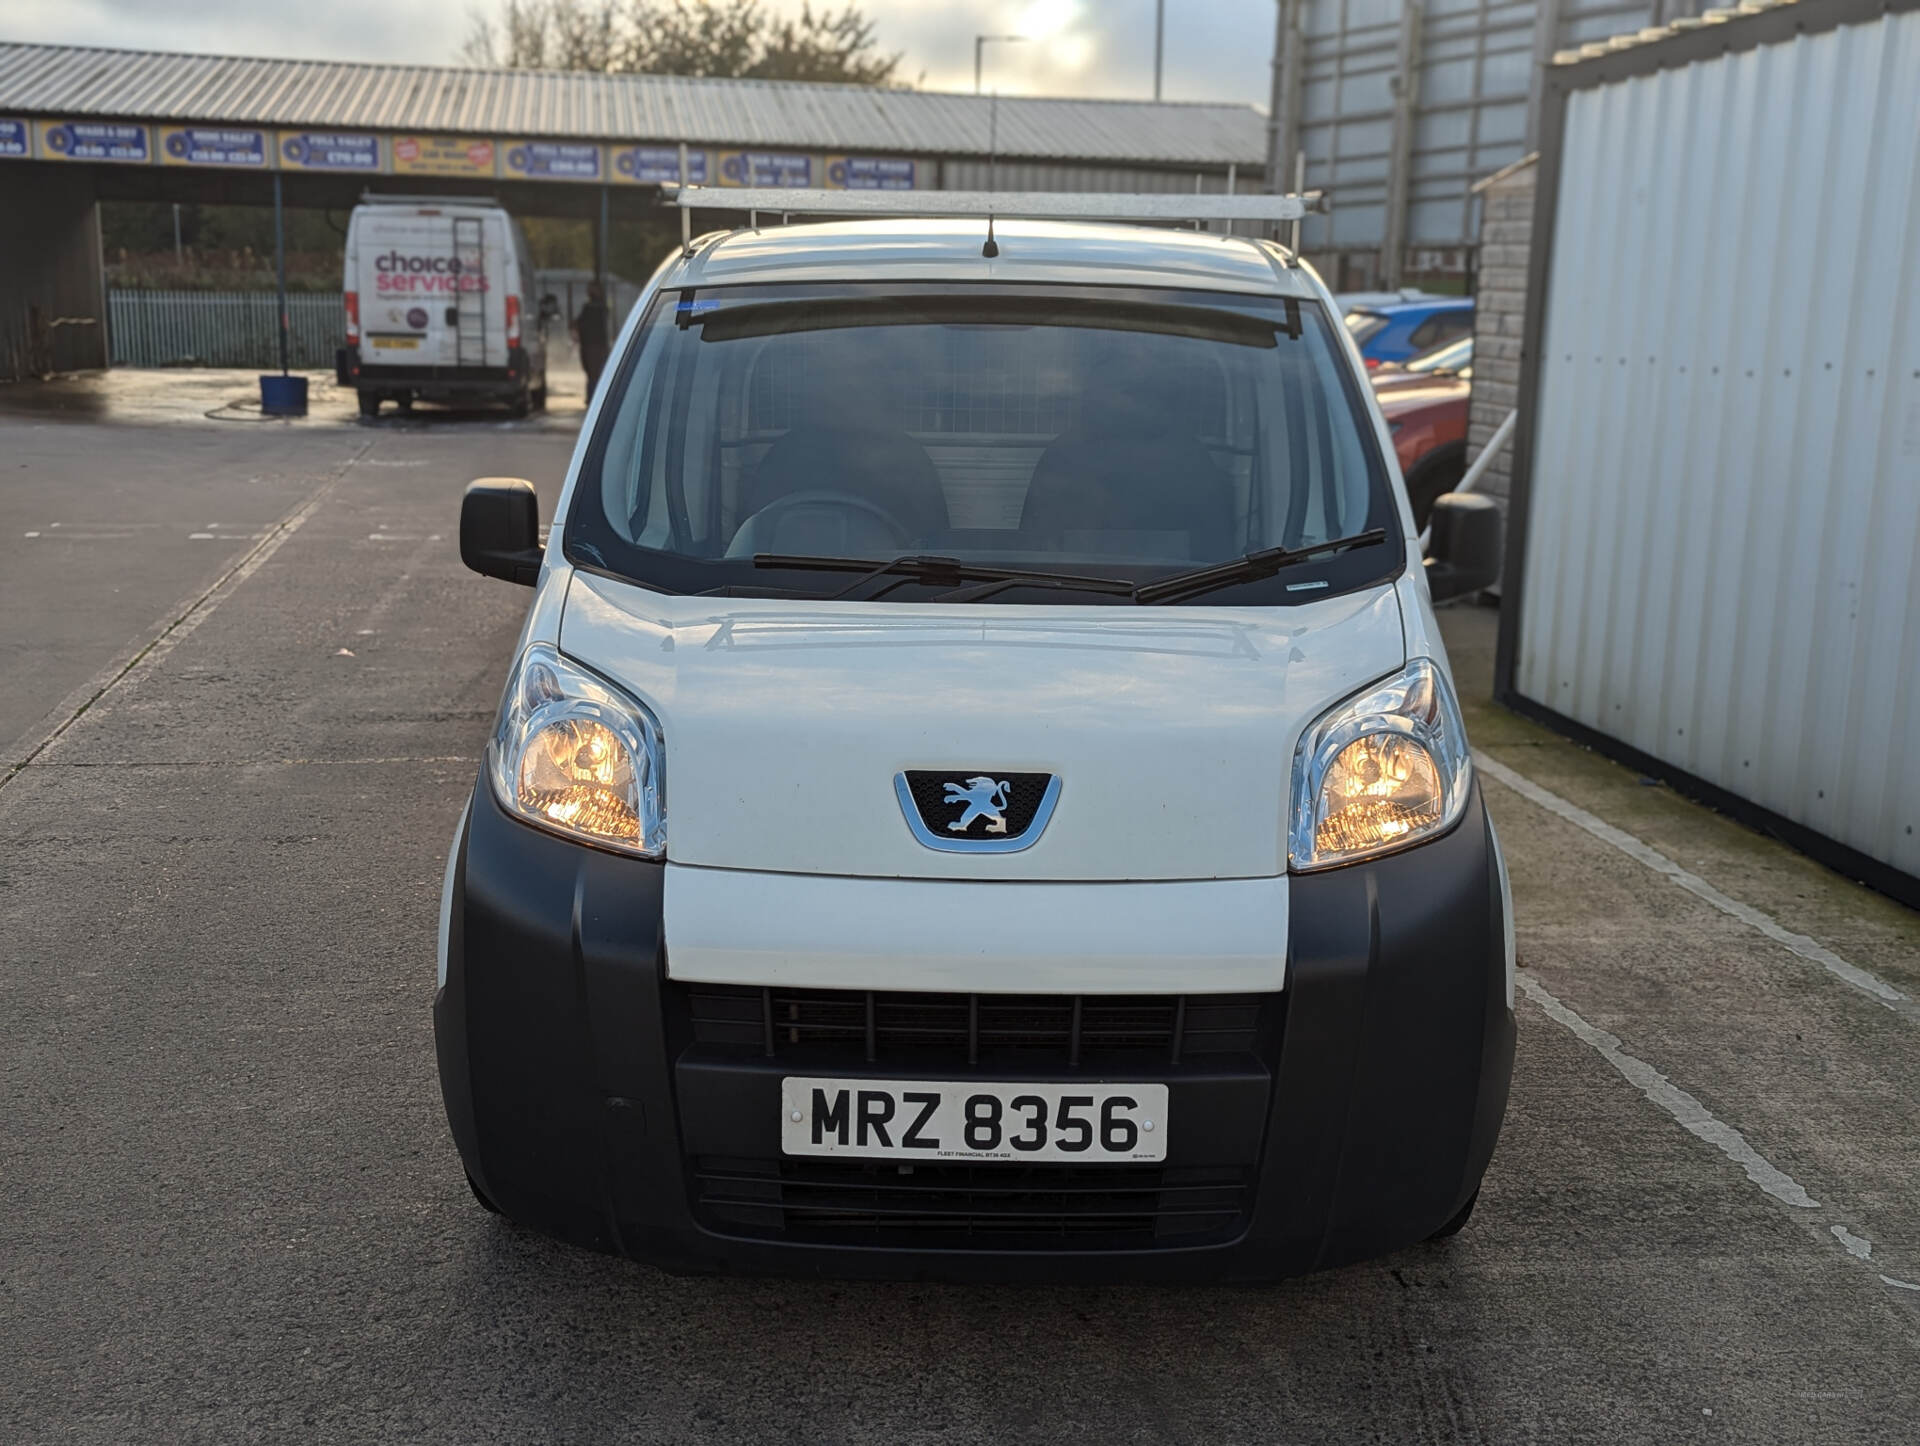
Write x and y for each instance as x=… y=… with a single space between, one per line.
x=247 y=682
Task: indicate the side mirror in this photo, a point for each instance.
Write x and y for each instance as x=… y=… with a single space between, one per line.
x=549 y=306
x=1463 y=552
x=500 y=529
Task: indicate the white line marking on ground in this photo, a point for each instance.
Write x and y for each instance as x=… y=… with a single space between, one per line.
x=1695 y=1118
x=169 y=634
x=1810 y=949
x=1692 y=1116
x=1857 y=1246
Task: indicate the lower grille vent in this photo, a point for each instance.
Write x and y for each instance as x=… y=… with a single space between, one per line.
x=1060 y=1029
x=957 y=1206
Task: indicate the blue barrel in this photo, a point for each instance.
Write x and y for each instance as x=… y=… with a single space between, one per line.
x=283 y=396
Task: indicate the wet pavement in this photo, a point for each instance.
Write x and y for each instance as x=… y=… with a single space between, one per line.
x=248 y=685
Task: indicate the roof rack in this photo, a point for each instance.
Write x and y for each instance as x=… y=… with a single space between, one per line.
x=1001 y=205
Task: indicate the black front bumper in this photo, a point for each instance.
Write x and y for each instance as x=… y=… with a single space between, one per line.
x=595 y=1099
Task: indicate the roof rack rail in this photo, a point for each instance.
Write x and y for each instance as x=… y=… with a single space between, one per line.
x=1002 y=205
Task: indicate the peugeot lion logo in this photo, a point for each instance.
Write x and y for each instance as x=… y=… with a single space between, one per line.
x=983 y=799
x=964 y=810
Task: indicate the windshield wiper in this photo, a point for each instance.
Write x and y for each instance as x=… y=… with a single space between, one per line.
x=1251 y=568
x=941 y=572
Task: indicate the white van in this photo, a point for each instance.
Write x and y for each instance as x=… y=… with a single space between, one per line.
x=440 y=305
x=979 y=792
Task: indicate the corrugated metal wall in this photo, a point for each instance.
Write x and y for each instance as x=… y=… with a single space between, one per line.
x=1722 y=563
x=972 y=175
x=1471 y=68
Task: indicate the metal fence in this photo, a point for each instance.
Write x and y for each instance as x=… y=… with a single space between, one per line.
x=222 y=328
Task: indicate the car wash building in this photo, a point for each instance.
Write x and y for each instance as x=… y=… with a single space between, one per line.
x=79 y=126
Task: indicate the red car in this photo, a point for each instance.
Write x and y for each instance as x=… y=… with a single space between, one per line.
x=1425 y=402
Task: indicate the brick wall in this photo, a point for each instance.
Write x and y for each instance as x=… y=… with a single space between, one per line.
x=1506 y=230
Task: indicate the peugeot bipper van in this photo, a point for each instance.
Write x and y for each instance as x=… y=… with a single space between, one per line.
x=440 y=306
x=979 y=793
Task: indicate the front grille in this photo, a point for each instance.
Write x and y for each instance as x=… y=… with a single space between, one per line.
x=960 y=1206
x=1019 y=804
x=1043 y=1029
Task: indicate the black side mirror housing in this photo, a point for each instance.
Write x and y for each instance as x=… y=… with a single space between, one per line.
x=500 y=529
x=1463 y=552
x=549 y=306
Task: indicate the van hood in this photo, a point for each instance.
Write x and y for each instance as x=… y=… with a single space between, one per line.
x=1170 y=730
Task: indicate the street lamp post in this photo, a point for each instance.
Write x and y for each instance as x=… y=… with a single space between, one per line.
x=980 y=43
x=1159 y=42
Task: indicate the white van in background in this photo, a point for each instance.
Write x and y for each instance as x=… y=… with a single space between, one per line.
x=440 y=305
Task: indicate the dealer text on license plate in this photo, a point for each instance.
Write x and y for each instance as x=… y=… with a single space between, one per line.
x=396 y=343
x=885 y=1119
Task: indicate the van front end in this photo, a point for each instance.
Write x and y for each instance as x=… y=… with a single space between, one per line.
x=980 y=794
x=1348 y=1113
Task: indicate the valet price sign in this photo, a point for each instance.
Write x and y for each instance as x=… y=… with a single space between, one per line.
x=208 y=146
x=469 y=157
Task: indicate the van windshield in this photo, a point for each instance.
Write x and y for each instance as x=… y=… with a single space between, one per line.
x=1119 y=434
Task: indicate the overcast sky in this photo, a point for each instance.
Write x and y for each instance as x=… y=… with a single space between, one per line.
x=1216 y=49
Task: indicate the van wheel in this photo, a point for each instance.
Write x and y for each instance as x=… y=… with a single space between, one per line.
x=1459 y=1221
x=369 y=404
x=405 y=403
x=538 y=396
x=1436 y=473
x=521 y=404
x=488 y=1205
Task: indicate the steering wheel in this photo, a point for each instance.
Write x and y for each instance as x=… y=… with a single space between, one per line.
x=758 y=532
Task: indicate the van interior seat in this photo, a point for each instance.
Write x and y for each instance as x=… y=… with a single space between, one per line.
x=1129 y=471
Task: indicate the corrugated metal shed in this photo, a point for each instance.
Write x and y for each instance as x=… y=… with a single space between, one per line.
x=148 y=85
x=1716 y=541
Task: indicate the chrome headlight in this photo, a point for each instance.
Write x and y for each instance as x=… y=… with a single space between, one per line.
x=575 y=755
x=1383 y=770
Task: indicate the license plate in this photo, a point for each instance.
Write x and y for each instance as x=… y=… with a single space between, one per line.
x=396 y=343
x=893 y=1119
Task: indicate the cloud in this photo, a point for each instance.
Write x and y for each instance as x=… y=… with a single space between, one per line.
x=1215 y=49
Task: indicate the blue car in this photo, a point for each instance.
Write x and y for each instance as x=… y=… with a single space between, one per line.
x=1395 y=331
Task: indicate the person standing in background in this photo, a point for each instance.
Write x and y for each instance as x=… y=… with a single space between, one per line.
x=590 y=335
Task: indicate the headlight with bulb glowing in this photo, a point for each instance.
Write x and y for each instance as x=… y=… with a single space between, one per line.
x=1385 y=769
x=575 y=755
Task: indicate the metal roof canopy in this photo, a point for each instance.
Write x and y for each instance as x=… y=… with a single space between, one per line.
x=1003 y=205
x=83 y=81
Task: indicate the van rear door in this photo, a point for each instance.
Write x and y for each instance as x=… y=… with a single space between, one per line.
x=433 y=287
